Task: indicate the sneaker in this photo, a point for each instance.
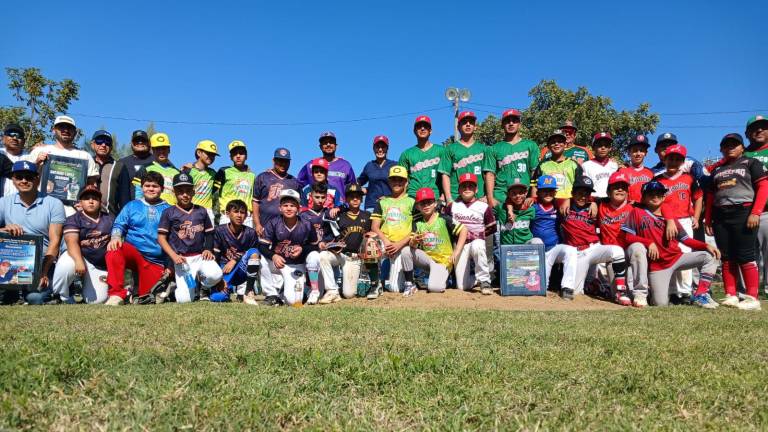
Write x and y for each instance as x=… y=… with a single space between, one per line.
x=250 y=299
x=161 y=298
x=314 y=296
x=711 y=300
x=272 y=301
x=622 y=298
x=730 y=301
x=409 y=289
x=749 y=303
x=374 y=292
x=702 y=301
x=205 y=298
x=330 y=297
x=680 y=299
x=485 y=288
x=640 y=301
x=114 y=301
x=566 y=294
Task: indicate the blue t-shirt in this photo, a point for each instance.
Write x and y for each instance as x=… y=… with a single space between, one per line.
x=137 y=224
x=34 y=219
x=376 y=176
x=544 y=226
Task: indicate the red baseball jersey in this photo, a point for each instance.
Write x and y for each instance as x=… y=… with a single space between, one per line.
x=645 y=227
x=637 y=178
x=610 y=219
x=682 y=191
x=579 y=230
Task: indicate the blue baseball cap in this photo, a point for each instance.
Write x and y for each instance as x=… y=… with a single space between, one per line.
x=327 y=134
x=101 y=133
x=653 y=186
x=22 y=166
x=282 y=153
x=666 y=137
x=546 y=182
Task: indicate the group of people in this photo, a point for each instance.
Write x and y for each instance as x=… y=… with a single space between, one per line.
x=630 y=233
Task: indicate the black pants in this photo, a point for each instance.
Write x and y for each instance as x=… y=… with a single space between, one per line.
x=734 y=239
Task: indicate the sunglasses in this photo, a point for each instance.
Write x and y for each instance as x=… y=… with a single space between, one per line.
x=102 y=141
x=25 y=176
x=15 y=135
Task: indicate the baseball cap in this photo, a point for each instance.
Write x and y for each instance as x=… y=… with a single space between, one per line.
x=666 y=137
x=584 y=182
x=730 y=137
x=320 y=162
x=93 y=190
x=675 y=149
x=62 y=119
x=354 y=188
x=569 y=124
x=556 y=133
x=381 y=138
x=546 y=182
x=515 y=182
x=467 y=114
x=468 y=178
x=235 y=144
x=618 y=177
x=398 y=171
x=282 y=153
x=101 y=133
x=327 y=134
x=422 y=119
x=21 y=166
x=602 y=136
x=639 y=139
x=425 y=194
x=159 y=139
x=512 y=112
x=653 y=186
x=182 y=179
x=757 y=118
x=289 y=194
x=208 y=146
x=139 y=134
x=13 y=127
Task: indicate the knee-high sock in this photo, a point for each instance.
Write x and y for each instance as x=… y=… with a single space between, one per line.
x=313 y=277
x=620 y=272
x=751 y=278
x=705 y=280
x=730 y=274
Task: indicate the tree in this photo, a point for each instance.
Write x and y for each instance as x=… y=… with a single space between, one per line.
x=42 y=99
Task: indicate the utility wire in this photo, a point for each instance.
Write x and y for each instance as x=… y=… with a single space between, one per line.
x=664 y=114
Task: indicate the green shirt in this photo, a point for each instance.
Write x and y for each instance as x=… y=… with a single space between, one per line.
x=437 y=238
x=396 y=216
x=422 y=167
x=762 y=156
x=233 y=184
x=204 y=186
x=509 y=161
x=520 y=231
x=460 y=160
x=565 y=172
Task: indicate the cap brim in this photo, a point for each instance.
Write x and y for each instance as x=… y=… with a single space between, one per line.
x=183 y=184
x=398 y=176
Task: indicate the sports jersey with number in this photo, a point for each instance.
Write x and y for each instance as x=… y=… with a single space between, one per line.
x=93 y=235
x=315 y=219
x=396 y=216
x=186 y=229
x=232 y=183
x=422 y=166
x=510 y=161
x=204 y=185
x=437 y=238
x=733 y=182
x=609 y=220
x=637 y=178
x=599 y=172
x=230 y=247
x=578 y=228
x=267 y=190
x=682 y=191
x=649 y=228
x=460 y=159
x=565 y=173
x=476 y=216
x=279 y=239
x=544 y=225
x=168 y=171
x=518 y=232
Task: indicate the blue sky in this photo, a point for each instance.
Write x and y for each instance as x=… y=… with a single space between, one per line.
x=283 y=62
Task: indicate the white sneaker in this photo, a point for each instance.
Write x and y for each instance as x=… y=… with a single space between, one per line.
x=410 y=289
x=114 y=301
x=330 y=297
x=314 y=296
x=749 y=303
x=711 y=300
x=729 y=300
x=640 y=301
x=250 y=299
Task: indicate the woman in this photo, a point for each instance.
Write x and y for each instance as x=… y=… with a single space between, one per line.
x=376 y=173
x=738 y=194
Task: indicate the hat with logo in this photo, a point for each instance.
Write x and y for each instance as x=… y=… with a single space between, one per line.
x=569 y=124
x=602 y=136
x=380 y=138
x=182 y=179
x=639 y=139
x=236 y=144
x=320 y=162
x=398 y=171
x=755 y=119
x=730 y=137
x=289 y=194
x=666 y=138
x=517 y=182
x=422 y=119
x=327 y=134
x=139 y=135
x=159 y=139
x=353 y=188
x=13 y=127
x=425 y=194
x=467 y=114
x=62 y=119
x=618 y=177
x=468 y=178
x=282 y=153
x=653 y=186
x=102 y=134
x=21 y=166
x=207 y=146
x=512 y=112
x=89 y=190
x=584 y=182
x=556 y=133
x=546 y=182
x=675 y=149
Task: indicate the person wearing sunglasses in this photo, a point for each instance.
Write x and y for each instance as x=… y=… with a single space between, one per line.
x=101 y=144
x=125 y=169
x=13 y=148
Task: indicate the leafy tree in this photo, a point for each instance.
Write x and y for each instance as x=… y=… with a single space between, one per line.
x=42 y=99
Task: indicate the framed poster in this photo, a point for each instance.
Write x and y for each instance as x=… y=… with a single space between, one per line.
x=63 y=178
x=523 y=270
x=21 y=260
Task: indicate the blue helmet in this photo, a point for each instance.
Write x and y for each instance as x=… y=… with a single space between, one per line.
x=654 y=186
x=546 y=182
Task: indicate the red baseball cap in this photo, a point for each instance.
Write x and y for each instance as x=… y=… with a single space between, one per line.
x=422 y=119
x=320 y=162
x=381 y=138
x=512 y=112
x=676 y=149
x=467 y=114
x=468 y=177
x=425 y=194
x=602 y=135
x=618 y=177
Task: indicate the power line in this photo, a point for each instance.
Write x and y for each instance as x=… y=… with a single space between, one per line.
x=664 y=114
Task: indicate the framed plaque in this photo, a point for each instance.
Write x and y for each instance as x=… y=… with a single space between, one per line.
x=21 y=260
x=63 y=178
x=523 y=270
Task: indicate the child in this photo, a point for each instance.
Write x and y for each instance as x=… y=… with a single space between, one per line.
x=600 y=168
x=235 y=246
x=186 y=235
x=637 y=173
x=580 y=231
x=432 y=243
x=564 y=170
x=161 y=149
x=86 y=234
x=353 y=225
x=316 y=216
x=517 y=229
x=203 y=176
x=235 y=182
x=477 y=218
x=423 y=160
x=647 y=225
x=284 y=246
x=320 y=176
x=391 y=221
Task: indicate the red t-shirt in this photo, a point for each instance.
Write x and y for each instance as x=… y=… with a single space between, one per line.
x=682 y=191
x=637 y=178
x=579 y=230
x=610 y=220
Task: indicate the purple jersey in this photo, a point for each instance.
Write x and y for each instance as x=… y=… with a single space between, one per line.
x=316 y=220
x=340 y=175
x=281 y=240
x=94 y=234
x=227 y=246
x=186 y=229
x=266 y=192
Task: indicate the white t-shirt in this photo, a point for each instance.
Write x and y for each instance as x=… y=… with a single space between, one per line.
x=599 y=174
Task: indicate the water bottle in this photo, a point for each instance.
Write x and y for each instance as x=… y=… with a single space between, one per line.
x=298 y=289
x=188 y=278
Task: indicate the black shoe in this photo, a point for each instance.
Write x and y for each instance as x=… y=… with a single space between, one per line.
x=680 y=300
x=566 y=294
x=55 y=300
x=272 y=301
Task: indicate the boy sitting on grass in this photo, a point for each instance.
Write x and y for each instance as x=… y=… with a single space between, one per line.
x=235 y=246
x=186 y=235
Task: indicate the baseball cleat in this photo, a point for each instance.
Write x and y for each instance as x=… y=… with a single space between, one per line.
x=703 y=301
x=730 y=301
x=330 y=297
x=640 y=301
x=566 y=294
x=114 y=301
x=409 y=289
x=623 y=299
x=250 y=299
x=313 y=297
x=749 y=303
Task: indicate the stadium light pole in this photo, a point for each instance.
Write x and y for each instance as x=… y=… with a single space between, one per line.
x=455 y=94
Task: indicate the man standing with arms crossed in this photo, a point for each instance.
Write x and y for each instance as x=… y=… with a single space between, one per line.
x=465 y=156
x=125 y=170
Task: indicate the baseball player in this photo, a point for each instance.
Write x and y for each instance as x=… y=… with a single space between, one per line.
x=637 y=173
x=600 y=168
x=757 y=134
x=573 y=151
x=514 y=217
x=320 y=178
x=462 y=157
x=564 y=170
x=268 y=187
x=161 y=149
x=203 y=176
x=235 y=182
x=423 y=160
x=316 y=215
x=235 y=246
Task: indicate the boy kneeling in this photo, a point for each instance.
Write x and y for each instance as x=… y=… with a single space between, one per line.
x=236 y=248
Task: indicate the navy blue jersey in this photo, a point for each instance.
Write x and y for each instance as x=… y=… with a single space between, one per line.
x=281 y=240
x=94 y=235
x=544 y=226
x=266 y=192
x=227 y=246
x=185 y=229
x=353 y=229
x=316 y=220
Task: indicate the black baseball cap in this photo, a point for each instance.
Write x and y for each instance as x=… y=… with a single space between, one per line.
x=354 y=188
x=182 y=179
x=139 y=134
x=653 y=186
x=732 y=137
x=666 y=137
x=584 y=182
x=639 y=139
x=13 y=127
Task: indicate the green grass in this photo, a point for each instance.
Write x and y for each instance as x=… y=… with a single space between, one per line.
x=233 y=367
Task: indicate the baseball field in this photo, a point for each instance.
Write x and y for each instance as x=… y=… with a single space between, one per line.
x=420 y=363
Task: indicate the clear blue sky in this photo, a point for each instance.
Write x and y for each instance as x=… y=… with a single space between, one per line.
x=285 y=61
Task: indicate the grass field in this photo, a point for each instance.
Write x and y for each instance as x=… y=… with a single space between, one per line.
x=346 y=367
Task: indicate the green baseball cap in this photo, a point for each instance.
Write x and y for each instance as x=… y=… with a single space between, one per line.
x=757 y=118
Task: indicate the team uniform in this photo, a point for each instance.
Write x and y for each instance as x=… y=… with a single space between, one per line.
x=279 y=239
x=637 y=176
x=352 y=230
x=545 y=228
x=189 y=233
x=434 y=251
x=422 y=166
x=565 y=173
x=396 y=217
x=231 y=184
x=576 y=153
x=93 y=236
x=477 y=217
x=762 y=232
x=241 y=248
x=205 y=188
x=340 y=175
x=460 y=159
x=600 y=172
x=266 y=192
x=168 y=171
x=508 y=162
x=517 y=232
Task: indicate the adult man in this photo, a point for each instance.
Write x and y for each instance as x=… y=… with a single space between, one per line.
x=13 y=149
x=267 y=189
x=28 y=213
x=465 y=156
x=65 y=131
x=757 y=134
x=125 y=169
x=340 y=172
x=101 y=144
x=422 y=160
x=161 y=149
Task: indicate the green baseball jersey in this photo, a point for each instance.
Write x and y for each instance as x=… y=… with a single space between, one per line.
x=578 y=154
x=458 y=160
x=509 y=161
x=204 y=186
x=233 y=184
x=518 y=232
x=396 y=216
x=168 y=172
x=422 y=166
x=437 y=238
x=762 y=156
x=565 y=172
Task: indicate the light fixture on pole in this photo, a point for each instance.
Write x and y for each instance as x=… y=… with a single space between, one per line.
x=455 y=95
